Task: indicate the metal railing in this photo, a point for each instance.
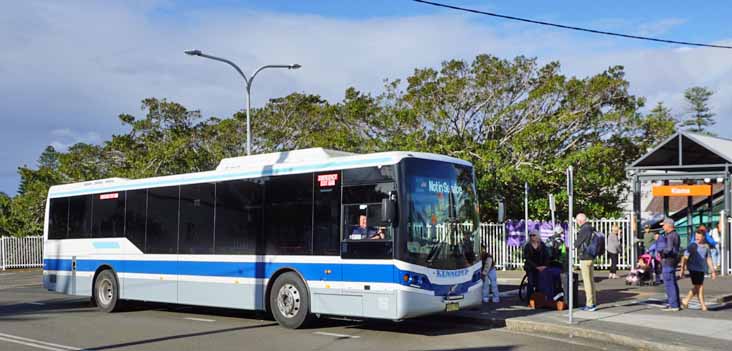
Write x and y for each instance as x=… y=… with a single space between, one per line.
x=25 y=252
x=493 y=236
x=626 y=256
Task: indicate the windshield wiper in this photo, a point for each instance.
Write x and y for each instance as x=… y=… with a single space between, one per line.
x=433 y=253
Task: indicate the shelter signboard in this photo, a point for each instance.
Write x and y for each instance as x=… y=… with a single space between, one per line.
x=682 y=190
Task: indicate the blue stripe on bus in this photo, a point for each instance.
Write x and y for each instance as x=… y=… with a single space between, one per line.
x=220 y=177
x=310 y=271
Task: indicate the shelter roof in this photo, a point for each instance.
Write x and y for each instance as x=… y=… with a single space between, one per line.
x=686 y=151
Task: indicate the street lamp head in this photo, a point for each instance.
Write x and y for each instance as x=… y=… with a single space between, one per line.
x=295 y=66
x=193 y=52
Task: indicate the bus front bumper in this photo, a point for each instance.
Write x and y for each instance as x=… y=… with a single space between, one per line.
x=414 y=304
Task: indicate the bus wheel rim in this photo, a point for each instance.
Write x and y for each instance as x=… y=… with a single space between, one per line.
x=105 y=291
x=288 y=300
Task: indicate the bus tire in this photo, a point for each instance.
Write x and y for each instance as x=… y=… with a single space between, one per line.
x=106 y=292
x=289 y=301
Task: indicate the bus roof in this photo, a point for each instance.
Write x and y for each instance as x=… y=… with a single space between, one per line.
x=276 y=163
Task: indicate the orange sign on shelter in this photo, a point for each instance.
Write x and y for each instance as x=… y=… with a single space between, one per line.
x=682 y=190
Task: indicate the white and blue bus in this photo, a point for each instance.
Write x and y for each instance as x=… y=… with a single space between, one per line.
x=299 y=234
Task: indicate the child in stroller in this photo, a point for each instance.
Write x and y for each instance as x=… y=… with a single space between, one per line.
x=644 y=270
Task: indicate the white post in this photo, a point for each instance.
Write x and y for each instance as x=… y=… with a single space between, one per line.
x=724 y=244
x=504 y=245
x=2 y=252
x=570 y=273
x=552 y=208
x=632 y=238
x=526 y=211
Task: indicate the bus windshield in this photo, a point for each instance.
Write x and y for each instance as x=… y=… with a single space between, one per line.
x=442 y=222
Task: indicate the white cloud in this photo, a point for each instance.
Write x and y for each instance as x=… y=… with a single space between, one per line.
x=660 y=27
x=64 y=138
x=68 y=69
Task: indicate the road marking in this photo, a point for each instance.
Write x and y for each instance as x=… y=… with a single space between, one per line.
x=200 y=319
x=342 y=336
x=36 y=343
x=36 y=303
x=4 y=274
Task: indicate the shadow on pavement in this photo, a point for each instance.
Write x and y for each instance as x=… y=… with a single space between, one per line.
x=428 y=326
x=137 y=306
x=175 y=337
x=25 y=311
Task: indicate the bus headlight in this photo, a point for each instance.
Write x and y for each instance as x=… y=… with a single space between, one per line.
x=416 y=280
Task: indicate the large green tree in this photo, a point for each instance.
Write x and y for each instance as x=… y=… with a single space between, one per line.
x=701 y=116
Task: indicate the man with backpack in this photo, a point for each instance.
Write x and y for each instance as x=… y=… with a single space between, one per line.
x=668 y=247
x=588 y=247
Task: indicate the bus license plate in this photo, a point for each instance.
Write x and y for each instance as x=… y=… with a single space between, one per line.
x=452 y=306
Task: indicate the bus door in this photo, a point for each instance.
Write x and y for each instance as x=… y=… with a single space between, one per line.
x=367 y=246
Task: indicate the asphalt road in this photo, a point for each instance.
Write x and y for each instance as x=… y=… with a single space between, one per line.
x=34 y=319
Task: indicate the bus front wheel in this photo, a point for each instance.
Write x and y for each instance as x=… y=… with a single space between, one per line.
x=106 y=292
x=289 y=301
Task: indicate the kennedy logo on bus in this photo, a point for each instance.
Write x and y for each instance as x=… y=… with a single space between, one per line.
x=328 y=179
x=108 y=196
x=451 y=274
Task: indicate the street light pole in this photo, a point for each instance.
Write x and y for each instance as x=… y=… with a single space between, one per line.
x=248 y=82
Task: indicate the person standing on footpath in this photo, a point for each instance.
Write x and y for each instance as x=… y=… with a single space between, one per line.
x=656 y=261
x=698 y=259
x=584 y=238
x=668 y=247
x=648 y=239
x=559 y=259
x=613 y=250
x=713 y=239
x=488 y=273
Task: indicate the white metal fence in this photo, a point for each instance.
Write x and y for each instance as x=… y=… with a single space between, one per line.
x=23 y=252
x=626 y=256
x=493 y=236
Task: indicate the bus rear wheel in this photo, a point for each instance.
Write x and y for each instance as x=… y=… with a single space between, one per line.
x=289 y=301
x=106 y=292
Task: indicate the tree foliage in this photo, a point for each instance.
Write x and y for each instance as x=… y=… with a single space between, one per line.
x=700 y=114
x=516 y=120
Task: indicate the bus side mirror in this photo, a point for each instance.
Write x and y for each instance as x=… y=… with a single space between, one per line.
x=388 y=209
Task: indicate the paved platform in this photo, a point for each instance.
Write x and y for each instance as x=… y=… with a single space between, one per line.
x=627 y=315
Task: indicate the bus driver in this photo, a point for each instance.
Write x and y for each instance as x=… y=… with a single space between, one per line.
x=363 y=231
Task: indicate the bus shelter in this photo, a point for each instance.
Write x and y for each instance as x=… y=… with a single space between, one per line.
x=691 y=167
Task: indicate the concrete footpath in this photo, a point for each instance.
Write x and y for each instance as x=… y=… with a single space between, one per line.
x=628 y=316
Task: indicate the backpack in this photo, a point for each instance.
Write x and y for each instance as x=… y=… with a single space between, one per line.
x=557 y=251
x=710 y=239
x=596 y=247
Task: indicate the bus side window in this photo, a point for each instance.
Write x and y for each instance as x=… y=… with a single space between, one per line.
x=327 y=213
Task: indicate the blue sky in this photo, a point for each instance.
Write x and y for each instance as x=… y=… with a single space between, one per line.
x=69 y=68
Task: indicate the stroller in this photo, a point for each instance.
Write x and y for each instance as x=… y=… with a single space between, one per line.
x=643 y=272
